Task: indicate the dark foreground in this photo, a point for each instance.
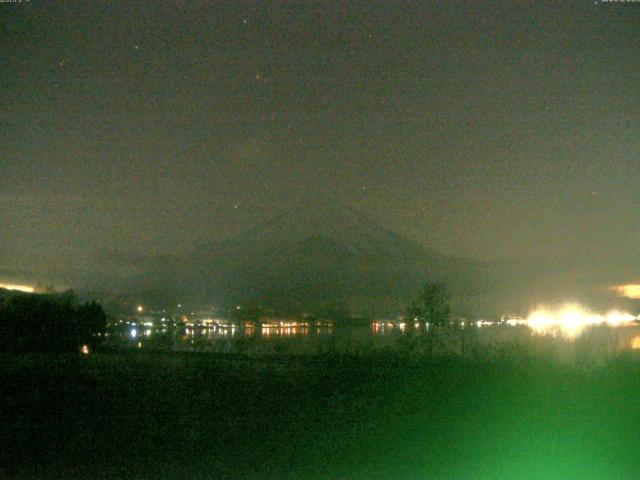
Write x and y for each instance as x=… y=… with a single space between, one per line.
x=190 y=416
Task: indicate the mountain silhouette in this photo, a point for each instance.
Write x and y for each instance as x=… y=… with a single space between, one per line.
x=320 y=258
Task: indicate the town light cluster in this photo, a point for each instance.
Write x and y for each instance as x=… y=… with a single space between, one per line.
x=572 y=319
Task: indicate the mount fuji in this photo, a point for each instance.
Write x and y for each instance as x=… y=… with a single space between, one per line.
x=322 y=258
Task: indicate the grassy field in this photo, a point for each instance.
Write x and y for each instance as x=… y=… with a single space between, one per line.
x=192 y=416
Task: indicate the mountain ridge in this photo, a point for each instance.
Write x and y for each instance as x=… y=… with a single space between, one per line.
x=312 y=256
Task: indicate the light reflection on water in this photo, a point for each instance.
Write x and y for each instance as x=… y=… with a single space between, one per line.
x=600 y=340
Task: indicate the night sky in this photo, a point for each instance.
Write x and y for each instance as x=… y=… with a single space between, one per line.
x=496 y=131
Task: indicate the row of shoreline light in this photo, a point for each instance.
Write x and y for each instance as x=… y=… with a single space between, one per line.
x=569 y=320
x=572 y=319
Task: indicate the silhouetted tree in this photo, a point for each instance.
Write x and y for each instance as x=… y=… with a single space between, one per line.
x=432 y=305
x=52 y=323
x=90 y=324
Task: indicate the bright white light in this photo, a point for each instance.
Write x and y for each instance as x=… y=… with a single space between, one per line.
x=20 y=288
x=572 y=319
x=134 y=333
x=85 y=350
x=515 y=321
x=140 y=308
x=615 y=317
x=483 y=323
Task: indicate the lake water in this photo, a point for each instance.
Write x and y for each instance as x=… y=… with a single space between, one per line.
x=597 y=343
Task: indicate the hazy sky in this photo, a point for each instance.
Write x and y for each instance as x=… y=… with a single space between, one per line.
x=491 y=130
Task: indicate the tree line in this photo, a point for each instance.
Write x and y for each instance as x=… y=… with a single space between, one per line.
x=49 y=323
